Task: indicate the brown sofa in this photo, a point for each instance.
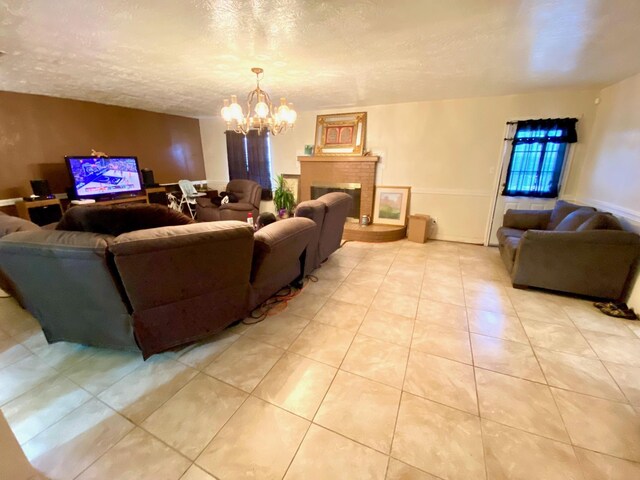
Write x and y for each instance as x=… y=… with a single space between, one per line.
x=329 y=212
x=572 y=248
x=248 y=193
x=150 y=289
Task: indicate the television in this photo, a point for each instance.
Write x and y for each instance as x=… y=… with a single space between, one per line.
x=95 y=177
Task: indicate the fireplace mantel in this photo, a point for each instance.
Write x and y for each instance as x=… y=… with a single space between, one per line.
x=340 y=169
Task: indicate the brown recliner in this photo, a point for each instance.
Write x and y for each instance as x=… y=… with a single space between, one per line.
x=249 y=194
x=314 y=210
x=337 y=206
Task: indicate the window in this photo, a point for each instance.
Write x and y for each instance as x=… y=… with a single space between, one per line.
x=537 y=157
x=249 y=157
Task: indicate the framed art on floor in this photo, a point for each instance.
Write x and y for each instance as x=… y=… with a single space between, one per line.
x=390 y=205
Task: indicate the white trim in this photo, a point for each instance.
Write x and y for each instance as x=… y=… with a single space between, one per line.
x=458 y=238
x=449 y=191
x=626 y=213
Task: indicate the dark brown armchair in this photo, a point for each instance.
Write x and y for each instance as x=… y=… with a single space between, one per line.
x=248 y=193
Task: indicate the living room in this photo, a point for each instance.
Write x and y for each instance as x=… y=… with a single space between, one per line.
x=396 y=359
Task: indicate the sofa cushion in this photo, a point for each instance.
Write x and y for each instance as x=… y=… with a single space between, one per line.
x=601 y=221
x=10 y=224
x=560 y=211
x=118 y=219
x=504 y=232
x=571 y=222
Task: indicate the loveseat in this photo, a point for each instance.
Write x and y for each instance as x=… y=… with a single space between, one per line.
x=150 y=289
x=329 y=212
x=248 y=194
x=572 y=248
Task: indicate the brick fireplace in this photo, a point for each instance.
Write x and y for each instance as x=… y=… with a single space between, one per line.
x=318 y=170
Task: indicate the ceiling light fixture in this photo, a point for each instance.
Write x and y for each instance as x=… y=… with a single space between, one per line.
x=261 y=114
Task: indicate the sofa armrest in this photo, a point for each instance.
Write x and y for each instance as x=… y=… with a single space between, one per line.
x=595 y=263
x=238 y=207
x=527 y=219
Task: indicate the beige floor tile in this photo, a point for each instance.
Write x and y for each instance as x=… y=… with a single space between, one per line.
x=432 y=279
x=22 y=376
x=504 y=356
x=14 y=319
x=376 y=360
x=373 y=266
x=343 y=261
x=514 y=454
x=438 y=439
x=258 y=442
x=335 y=273
x=244 y=363
x=628 y=379
x=59 y=355
x=559 y=319
x=324 y=343
x=491 y=302
x=306 y=305
x=352 y=402
x=368 y=279
x=297 y=384
x=341 y=314
x=615 y=349
x=404 y=305
x=41 y=407
x=355 y=294
x=557 y=337
x=106 y=367
x=579 y=374
x=11 y=351
x=340 y=458
x=587 y=317
x=442 y=341
x=600 y=425
x=201 y=354
x=140 y=393
x=192 y=417
x=68 y=447
x=442 y=380
x=498 y=325
x=196 y=473
x=388 y=327
x=401 y=286
x=138 y=456
x=446 y=314
x=279 y=330
x=535 y=305
x=401 y=471
x=321 y=288
x=407 y=270
x=443 y=293
x=597 y=466
x=519 y=403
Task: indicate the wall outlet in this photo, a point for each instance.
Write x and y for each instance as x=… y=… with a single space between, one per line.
x=434 y=220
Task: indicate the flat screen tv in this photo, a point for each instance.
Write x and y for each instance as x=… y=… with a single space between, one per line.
x=104 y=176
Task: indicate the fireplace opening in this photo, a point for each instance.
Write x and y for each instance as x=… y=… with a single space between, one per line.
x=354 y=190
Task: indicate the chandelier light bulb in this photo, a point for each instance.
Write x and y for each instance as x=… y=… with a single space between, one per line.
x=226 y=111
x=293 y=115
x=235 y=109
x=283 y=110
x=262 y=109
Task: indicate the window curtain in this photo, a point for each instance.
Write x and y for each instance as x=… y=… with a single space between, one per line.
x=537 y=157
x=258 y=159
x=236 y=156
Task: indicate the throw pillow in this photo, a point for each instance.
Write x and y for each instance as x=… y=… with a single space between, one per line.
x=561 y=210
x=601 y=221
x=118 y=219
x=571 y=222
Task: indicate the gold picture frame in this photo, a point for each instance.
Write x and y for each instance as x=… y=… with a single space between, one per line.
x=293 y=182
x=391 y=205
x=341 y=134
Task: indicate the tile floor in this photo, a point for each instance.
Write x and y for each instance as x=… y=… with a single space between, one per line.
x=403 y=361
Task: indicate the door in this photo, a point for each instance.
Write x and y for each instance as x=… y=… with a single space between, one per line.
x=503 y=203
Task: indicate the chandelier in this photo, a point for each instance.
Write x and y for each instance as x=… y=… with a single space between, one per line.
x=260 y=112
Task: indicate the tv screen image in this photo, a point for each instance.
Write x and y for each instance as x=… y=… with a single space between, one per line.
x=98 y=176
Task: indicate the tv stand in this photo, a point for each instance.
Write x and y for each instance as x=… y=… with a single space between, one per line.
x=134 y=199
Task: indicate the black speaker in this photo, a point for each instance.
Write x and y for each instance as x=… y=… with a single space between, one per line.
x=40 y=188
x=147 y=178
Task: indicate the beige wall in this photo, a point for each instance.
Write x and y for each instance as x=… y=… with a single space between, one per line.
x=447 y=151
x=610 y=175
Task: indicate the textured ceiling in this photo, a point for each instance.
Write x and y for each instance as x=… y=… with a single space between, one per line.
x=184 y=56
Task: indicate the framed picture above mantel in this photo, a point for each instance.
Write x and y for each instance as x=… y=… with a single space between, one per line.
x=341 y=134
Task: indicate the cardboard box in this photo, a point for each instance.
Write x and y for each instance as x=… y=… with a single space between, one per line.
x=419 y=226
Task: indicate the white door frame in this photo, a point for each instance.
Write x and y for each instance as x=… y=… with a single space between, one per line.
x=509 y=131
